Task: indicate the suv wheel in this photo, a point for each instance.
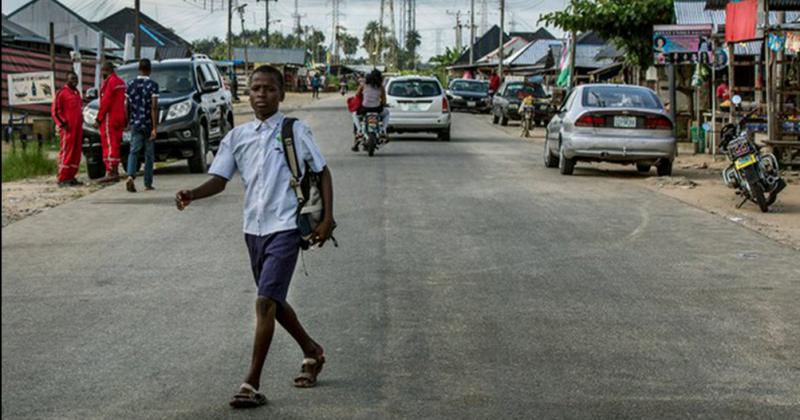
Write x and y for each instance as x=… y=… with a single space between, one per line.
x=565 y=166
x=444 y=135
x=198 y=163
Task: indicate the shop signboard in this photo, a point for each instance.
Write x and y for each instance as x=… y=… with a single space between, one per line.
x=682 y=44
x=30 y=88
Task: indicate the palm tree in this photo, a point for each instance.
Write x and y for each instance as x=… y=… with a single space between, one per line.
x=371 y=41
x=413 y=40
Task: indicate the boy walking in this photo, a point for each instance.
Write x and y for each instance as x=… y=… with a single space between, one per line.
x=143 y=112
x=273 y=241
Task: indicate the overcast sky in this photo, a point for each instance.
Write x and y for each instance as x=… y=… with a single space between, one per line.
x=191 y=21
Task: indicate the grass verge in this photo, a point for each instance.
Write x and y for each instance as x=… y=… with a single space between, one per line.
x=19 y=164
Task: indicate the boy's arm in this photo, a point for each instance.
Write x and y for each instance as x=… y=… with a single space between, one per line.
x=214 y=185
x=323 y=231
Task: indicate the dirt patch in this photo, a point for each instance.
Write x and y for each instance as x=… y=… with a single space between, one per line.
x=672 y=182
x=33 y=195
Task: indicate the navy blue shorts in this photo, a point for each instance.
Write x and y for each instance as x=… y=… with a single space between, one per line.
x=273 y=258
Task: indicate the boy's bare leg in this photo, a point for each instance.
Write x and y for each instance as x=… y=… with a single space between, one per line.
x=265 y=327
x=288 y=320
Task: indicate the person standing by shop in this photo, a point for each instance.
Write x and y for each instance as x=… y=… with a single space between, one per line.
x=66 y=112
x=111 y=120
x=143 y=107
x=315 y=83
x=494 y=82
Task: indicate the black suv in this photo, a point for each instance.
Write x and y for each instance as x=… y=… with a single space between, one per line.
x=506 y=103
x=195 y=113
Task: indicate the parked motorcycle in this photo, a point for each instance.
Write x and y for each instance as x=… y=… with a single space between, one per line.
x=371 y=128
x=754 y=174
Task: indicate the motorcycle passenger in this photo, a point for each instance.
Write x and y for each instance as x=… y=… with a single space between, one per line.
x=373 y=99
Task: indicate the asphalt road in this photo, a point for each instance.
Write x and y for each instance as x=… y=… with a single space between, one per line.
x=470 y=283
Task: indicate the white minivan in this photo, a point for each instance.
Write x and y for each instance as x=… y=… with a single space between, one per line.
x=418 y=104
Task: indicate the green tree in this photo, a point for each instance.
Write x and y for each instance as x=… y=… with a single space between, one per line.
x=371 y=41
x=413 y=40
x=349 y=45
x=627 y=23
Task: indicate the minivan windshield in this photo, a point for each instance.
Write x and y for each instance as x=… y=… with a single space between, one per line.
x=465 y=86
x=414 y=88
x=619 y=97
x=171 y=78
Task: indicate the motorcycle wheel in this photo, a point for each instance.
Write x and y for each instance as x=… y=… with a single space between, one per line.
x=757 y=193
x=371 y=141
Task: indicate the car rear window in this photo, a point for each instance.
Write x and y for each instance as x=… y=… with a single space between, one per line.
x=414 y=88
x=170 y=78
x=520 y=89
x=619 y=97
x=479 y=87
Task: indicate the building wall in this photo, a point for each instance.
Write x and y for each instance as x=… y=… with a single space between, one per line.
x=37 y=18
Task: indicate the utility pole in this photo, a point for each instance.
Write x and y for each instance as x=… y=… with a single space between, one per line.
x=53 y=49
x=401 y=35
x=138 y=32
x=769 y=73
x=438 y=41
x=240 y=9
x=266 y=8
x=484 y=16
x=457 y=14
x=230 y=34
x=471 y=32
x=502 y=31
x=380 y=28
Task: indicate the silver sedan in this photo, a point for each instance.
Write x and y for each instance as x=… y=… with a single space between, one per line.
x=610 y=123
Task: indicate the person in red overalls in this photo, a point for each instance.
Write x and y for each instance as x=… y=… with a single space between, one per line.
x=67 y=114
x=111 y=120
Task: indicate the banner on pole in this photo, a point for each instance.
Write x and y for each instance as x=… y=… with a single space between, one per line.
x=682 y=44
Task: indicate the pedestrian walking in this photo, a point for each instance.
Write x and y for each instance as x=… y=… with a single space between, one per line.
x=111 y=120
x=256 y=151
x=315 y=83
x=67 y=114
x=143 y=114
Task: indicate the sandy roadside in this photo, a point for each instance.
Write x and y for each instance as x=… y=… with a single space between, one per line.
x=30 y=196
x=697 y=181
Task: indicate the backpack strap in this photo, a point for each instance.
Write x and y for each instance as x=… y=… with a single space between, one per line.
x=287 y=137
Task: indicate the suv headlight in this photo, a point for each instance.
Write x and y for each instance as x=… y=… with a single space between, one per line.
x=179 y=110
x=89 y=115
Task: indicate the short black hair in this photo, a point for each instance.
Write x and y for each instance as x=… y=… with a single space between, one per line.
x=144 y=65
x=108 y=65
x=69 y=73
x=266 y=69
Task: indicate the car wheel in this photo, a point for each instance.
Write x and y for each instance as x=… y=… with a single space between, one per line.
x=495 y=118
x=95 y=168
x=643 y=168
x=550 y=161
x=565 y=166
x=198 y=163
x=503 y=120
x=664 y=168
x=444 y=135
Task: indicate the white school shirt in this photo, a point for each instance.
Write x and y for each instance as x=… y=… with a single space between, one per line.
x=255 y=150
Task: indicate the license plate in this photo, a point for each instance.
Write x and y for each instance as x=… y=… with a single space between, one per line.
x=745 y=161
x=625 y=122
x=471 y=103
x=412 y=107
x=126 y=136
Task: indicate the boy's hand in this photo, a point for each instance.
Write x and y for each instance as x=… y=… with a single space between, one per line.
x=153 y=134
x=183 y=198
x=322 y=233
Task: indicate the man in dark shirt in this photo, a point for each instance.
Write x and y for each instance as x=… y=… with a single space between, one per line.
x=143 y=116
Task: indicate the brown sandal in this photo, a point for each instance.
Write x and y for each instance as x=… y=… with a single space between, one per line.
x=248 y=397
x=309 y=371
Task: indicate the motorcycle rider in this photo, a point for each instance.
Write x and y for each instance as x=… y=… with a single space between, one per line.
x=373 y=96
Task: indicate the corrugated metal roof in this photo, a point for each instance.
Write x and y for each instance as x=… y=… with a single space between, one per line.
x=532 y=53
x=272 y=55
x=773 y=4
x=585 y=56
x=15 y=30
x=694 y=12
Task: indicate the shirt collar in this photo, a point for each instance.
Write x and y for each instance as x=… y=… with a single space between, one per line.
x=141 y=76
x=269 y=123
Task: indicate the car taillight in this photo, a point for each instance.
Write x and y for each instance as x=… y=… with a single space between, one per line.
x=445 y=105
x=591 y=121
x=657 y=123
